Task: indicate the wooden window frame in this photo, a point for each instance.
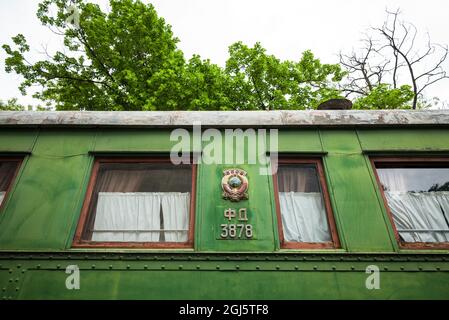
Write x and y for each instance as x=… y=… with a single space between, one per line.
x=19 y=161
x=335 y=243
x=78 y=242
x=404 y=162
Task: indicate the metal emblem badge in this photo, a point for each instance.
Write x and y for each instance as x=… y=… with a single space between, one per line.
x=234 y=184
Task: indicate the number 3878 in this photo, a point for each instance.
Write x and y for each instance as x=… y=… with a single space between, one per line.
x=236 y=231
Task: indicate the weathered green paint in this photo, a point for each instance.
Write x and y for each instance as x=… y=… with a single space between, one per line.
x=133 y=141
x=357 y=208
x=299 y=141
x=230 y=285
x=259 y=203
x=227 y=277
x=45 y=200
x=43 y=209
x=211 y=212
x=406 y=140
x=17 y=140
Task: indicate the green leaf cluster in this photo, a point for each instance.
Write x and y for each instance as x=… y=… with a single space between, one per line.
x=128 y=59
x=14 y=105
x=385 y=97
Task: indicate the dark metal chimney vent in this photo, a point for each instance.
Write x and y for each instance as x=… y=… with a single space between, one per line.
x=335 y=104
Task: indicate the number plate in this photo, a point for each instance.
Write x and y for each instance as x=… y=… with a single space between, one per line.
x=237 y=226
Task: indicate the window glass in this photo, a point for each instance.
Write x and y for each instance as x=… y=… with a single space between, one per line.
x=418 y=199
x=140 y=202
x=7 y=172
x=301 y=203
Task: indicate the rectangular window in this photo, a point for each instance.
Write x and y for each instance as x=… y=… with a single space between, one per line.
x=8 y=171
x=416 y=194
x=304 y=211
x=143 y=202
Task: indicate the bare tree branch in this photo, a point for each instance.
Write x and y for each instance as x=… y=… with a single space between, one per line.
x=386 y=52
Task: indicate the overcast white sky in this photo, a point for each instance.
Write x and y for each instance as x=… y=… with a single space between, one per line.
x=284 y=27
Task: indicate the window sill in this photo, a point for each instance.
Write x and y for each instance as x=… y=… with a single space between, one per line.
x=303 y=250
x=423 y=250
x=423 y=246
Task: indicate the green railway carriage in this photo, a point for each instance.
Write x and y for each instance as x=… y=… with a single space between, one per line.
x=94 y=205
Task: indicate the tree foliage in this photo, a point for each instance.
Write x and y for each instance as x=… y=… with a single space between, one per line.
x=383 y=96
x=11 y=105
x=437 y=187
x=128 y=59
x=114 y=61
x=269 y=83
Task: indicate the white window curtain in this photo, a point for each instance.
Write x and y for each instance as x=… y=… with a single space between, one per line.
x=304 y=217
x=420 y=211
x=2 y=195
x=135 y=216
x=443 y=200
x=175 y=209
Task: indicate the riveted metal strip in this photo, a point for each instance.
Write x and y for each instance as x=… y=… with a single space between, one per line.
x=235 y=266
x=12 y=274
x=323 y=257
